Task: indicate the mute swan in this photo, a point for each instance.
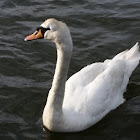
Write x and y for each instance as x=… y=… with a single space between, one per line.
x=87 y=96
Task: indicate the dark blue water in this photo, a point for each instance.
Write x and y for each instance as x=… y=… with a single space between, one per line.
x=100 y=30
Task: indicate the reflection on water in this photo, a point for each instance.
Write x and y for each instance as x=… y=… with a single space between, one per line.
x=100 y=29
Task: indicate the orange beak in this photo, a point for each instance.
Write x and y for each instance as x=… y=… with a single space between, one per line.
x=35 y=35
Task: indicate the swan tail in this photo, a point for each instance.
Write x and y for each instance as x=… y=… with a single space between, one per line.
x=133 y=54
x=131 y=57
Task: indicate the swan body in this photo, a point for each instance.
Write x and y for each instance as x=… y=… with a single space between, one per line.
x=87 y=96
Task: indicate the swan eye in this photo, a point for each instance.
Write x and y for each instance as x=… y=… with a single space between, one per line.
x=43 y=29
x=48 y=29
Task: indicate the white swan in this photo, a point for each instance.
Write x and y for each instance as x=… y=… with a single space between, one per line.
x=87 y=96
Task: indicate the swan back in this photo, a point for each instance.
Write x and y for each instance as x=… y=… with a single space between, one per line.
x=99 y=89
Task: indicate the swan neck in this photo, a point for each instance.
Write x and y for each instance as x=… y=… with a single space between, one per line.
x=60 y=76
x=56 y=94
x=53 y=113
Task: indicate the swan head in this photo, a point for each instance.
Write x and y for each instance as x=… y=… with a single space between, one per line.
x=53 y=30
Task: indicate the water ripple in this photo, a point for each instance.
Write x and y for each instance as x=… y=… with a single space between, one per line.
x=100 y=29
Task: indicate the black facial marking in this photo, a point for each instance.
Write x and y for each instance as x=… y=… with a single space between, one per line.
x=43 y=30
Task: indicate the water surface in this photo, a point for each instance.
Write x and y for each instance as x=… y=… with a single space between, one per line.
x=100 y=29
